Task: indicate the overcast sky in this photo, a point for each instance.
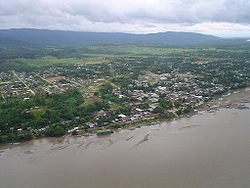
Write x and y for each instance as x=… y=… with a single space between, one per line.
x=228 y=18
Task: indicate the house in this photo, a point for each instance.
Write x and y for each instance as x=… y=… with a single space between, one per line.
x=91 y=125
x=123 y=117
x=139 y=110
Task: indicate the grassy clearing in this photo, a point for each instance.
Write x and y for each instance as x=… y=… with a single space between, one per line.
x=148 y=77
x=95 y=86
x=91 y=100
x=47 y=61
x=50 y=60
x=89 y=89
x=38 y=112
x=134 y=50
x=115 y=106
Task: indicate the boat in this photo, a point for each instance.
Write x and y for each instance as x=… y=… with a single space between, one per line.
x=104 y=132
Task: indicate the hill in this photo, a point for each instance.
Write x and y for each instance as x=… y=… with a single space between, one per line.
x=73 y=38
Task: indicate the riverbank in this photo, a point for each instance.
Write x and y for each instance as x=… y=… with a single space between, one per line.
x=230 y=100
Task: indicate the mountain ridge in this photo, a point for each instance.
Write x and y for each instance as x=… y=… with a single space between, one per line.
x=77 y=38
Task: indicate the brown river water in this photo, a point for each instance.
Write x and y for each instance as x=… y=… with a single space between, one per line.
x=207 y=150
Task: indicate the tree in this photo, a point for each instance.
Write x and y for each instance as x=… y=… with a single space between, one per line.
x=25 y=136
x=158 y=110
x=55 y=131
x=177 y=104
x=165 y=104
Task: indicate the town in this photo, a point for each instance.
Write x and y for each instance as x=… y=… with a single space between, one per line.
x=116 y=93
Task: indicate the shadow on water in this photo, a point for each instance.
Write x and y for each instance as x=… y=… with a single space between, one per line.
x=59 y=148
x=110 y=142
x=129 y=138
x=145 y=138
x=49 y=151
x=1 y=153
x=80 y=145
x=88 y=144
x=189 y=126
x=29 y=152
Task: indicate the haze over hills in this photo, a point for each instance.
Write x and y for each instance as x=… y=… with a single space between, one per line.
x=73 y=38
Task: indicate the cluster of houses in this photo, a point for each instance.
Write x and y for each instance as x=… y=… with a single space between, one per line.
x=184 y=88
x=187 y=92
x=25 y=85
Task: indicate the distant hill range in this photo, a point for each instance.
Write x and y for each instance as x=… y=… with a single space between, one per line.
x=72 y=38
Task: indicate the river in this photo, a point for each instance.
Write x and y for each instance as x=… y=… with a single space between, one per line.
x=207 y=150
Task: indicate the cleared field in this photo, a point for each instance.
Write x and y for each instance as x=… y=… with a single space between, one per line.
x=50 y=60
x=94 y=55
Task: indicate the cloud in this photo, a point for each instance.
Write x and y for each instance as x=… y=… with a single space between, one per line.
x=128 y=15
